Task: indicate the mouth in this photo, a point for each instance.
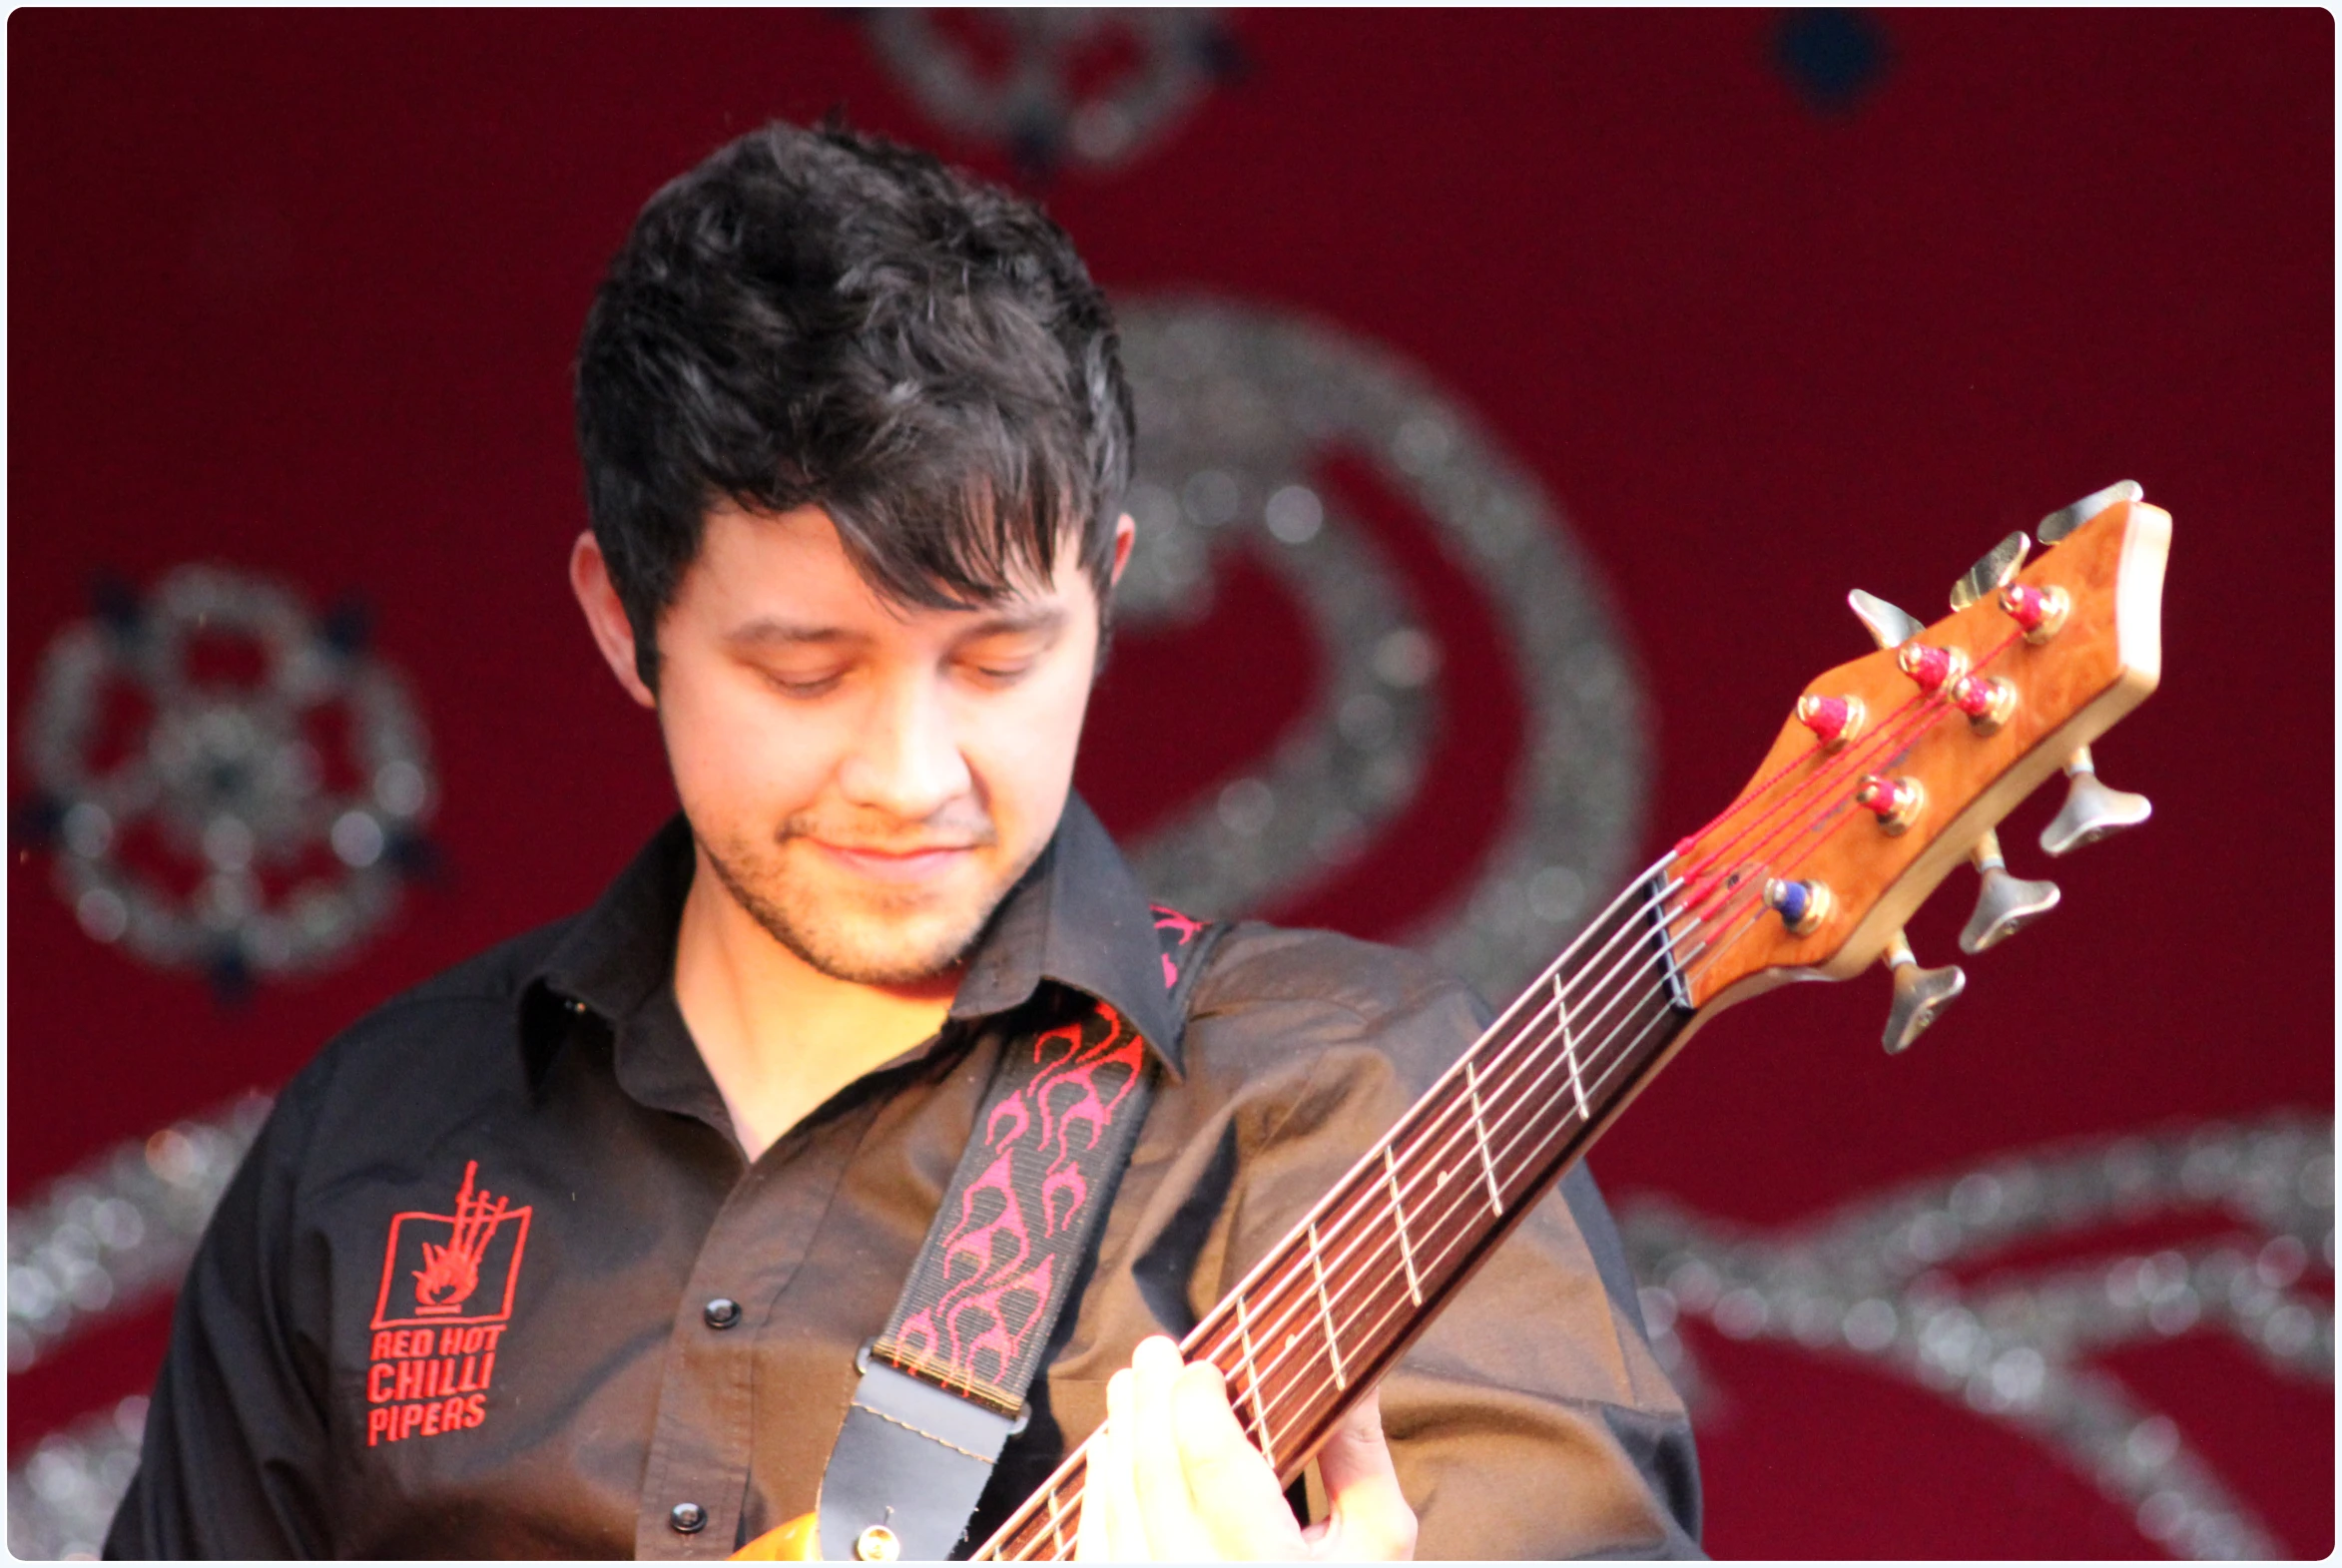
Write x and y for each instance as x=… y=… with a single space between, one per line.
x=925 y=863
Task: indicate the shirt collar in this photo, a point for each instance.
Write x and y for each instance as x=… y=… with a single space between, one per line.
x=1077 y=917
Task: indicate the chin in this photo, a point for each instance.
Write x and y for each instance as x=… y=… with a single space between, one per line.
x=883 y=951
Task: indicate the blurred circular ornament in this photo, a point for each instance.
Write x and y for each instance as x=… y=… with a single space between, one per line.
x=1091 y=87
x=229 y=785
x=1239 y=408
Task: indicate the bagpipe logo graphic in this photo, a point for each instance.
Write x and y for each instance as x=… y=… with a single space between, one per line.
x=446 y=1296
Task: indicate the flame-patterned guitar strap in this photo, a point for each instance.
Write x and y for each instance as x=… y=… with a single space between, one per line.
x=942 y=1389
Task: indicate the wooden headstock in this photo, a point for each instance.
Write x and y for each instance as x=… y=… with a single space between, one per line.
x=1799 y=819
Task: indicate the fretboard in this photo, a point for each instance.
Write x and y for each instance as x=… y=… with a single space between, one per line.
x=1317 y=1321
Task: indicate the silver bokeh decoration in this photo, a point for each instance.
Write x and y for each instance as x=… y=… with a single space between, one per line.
x=1874 y=1282
x=63 y=1497
x=103 y=1241
x=1238 y=408
x=1033 y=104
x=230 y=780
x=116 y=1234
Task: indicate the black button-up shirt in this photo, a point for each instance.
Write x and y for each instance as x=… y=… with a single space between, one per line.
x=499 y=1280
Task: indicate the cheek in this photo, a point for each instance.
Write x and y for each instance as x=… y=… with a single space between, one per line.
x=1029 y=748
x=730 y=757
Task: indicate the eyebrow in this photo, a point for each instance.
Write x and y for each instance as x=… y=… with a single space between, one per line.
x=770 y=631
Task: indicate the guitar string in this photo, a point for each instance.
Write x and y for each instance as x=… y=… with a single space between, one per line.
x=1067 y=1497
x=1367 y=1196
x=1058 y=1490
x=1469 y=1193
x=1869 y=749
x=1560 y=1128
x=1717 y=851
x=1513 y=1091
x=1058 y=1484
x=1281 y=1284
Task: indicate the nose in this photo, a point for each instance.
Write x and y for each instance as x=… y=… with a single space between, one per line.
x=907 y=762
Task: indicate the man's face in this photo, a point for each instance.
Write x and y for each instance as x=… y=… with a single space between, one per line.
x=866 y=779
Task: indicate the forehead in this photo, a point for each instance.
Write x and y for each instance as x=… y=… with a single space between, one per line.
x=792 y=569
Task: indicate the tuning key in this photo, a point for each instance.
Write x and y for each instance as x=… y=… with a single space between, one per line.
x=1889 y=626
x=1920 y=995
x=1996 y=571
x=2065 y=519
x=2093 y=811
x=2005 y=905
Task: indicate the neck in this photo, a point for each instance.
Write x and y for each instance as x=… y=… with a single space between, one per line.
x=779 y=1036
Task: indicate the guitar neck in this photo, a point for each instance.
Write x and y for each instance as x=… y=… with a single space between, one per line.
x=1318 y=1320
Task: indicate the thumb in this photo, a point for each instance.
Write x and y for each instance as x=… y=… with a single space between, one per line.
x=1370 y=1519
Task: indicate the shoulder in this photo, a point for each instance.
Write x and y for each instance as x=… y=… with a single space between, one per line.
x=1277 y=997
x=450 y=1041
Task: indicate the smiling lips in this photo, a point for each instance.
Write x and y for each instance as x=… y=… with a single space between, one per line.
x=899 y=865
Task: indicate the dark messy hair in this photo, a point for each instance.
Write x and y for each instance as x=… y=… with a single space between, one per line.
x=823 y=317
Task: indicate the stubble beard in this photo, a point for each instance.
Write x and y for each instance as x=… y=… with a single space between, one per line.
x=875 y=935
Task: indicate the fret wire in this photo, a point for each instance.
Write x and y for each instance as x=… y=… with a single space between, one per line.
x=1495 y=1195
x=1480 y=1126
x=1253 y=1380
x=1666 y=949
x=1559 y=1125
x=1389 y=1280
x=1667 y=941
x=1569 y=1050
x=1429 y=1122
x=1399 y=1218
x=1426 y=1119
x=1326 y=1309
x=1434 y=1113
x=1056 y=1520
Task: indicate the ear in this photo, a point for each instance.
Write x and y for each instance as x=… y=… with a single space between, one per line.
x=1125 y=530
x=589 y=579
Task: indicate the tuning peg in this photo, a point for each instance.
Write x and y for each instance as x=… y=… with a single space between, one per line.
x=1889 y=626
x=1993 y=572
x=1920 y=995
x=2093 y=811
x=2005 y=905
x=2065 y=520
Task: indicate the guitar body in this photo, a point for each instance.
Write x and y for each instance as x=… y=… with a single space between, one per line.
x=797 y=1541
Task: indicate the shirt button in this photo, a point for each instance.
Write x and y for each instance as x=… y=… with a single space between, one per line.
x=721 y=1313
x=689 y=1518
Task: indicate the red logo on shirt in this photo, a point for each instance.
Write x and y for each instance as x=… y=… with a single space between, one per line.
x=446 y=1296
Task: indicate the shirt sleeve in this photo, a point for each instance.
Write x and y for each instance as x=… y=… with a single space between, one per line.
x=233 y=1456
x=1531 y=1420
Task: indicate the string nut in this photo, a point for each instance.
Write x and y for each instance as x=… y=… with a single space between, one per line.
x=1802 y=906
x=2041 y=612
x=1833 y=720
x=1895 y=802
x=1986 y=700
x=1931 y=668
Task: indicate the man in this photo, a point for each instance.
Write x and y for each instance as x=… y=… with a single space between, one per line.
x=570 y=1251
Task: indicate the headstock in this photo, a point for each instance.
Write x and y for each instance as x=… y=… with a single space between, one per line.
x=1894 y=768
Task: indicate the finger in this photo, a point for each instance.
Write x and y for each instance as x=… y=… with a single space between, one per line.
x=1369 y=1516
x=1167 y=1506
x=1090 y=1524
x=1243 y=1507
x=1109 y=1529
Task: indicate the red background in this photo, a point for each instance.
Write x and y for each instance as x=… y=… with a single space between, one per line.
x=297 y=293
